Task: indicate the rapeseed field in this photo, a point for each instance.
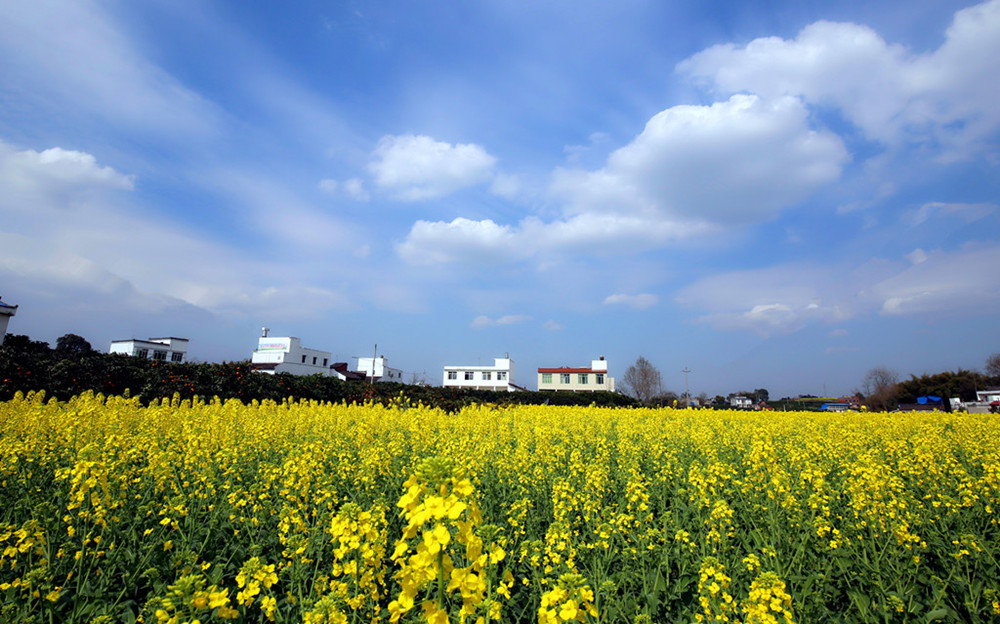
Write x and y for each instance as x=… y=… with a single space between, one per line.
x=192 y=511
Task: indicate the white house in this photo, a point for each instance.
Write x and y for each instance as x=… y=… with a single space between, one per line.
x=377 y=369
x=500 y=376
x=740 y=402
x=287 y=355
x=167 y=349
x=6 y=311
x=568 y=379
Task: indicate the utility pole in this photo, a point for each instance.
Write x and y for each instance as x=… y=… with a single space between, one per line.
x=687 y=388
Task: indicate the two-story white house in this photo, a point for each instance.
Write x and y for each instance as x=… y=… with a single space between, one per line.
x=566 y=379
x=6 y=311
x=500 y=376
x=166 y=349
x=378 y=369
x=287 y=355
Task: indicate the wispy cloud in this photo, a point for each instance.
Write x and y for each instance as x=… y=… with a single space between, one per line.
x=639 y=302
x=512 y=319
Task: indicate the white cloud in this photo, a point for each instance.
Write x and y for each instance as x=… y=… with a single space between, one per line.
x=838 y=333
x=512 y=319
x=773 y=300
x=639 y=302
x=68 y=223
x=967 y=213
x=963 y=280
x=466 y=240
x=917 y=256
x=784 y=299
x=72 y=57
x=703 y=163
x=891 y=94
x=552 y=325
x=692 y=171
x=439 y=242
x=414 y=168
x=67 y=176
x=328 y=186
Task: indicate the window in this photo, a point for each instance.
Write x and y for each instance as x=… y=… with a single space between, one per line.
x=582 y=379
x=143 y=353
x=468 y=375
x=314 y=360
x=502 y=376
x=452 y=374
x=600 y=379
x=303 y=359
x=487 y=376
x=324 y=361
x=546 y=377
x=564 y=378
x=160 y=355
x=176 y=357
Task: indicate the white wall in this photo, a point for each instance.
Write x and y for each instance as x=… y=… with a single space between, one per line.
x=291 y=357
x=478 y=381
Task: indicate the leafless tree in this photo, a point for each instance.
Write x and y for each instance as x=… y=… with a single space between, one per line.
x=879 y=388
x=993 y=365
x=642 y=380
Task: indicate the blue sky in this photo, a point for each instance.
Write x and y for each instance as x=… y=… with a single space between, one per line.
x=776 y=194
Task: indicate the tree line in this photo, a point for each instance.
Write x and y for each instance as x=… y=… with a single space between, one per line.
x=881 y=388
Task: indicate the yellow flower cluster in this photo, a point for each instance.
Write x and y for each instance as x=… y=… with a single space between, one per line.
x=713 y=592
x=189 y=601
x=444 y=530
x=183 y=511
x=768 y=602
x=571 y=600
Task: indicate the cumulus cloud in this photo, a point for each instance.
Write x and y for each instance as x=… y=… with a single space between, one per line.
x=467 y=240
x=692 y=171
x=703 y=163
x=66 y=176
x=888 y=92
x=512 y=319
x=639 y=302
x=439 y=242
x=413 y=168
x=552 y=325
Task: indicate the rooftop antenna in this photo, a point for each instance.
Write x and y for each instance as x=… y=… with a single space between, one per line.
x=263 y=332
